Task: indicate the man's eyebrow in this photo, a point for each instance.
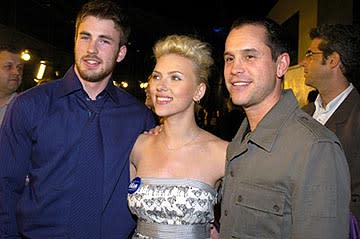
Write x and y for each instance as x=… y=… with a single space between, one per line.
x=107 y=37
x=246 y=50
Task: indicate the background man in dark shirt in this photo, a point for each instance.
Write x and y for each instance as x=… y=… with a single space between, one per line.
x=11 y=70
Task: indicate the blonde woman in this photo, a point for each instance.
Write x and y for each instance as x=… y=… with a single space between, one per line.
x=175 y=172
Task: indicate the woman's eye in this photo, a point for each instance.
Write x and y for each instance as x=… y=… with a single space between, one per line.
x=155 y=77
x=175 y=78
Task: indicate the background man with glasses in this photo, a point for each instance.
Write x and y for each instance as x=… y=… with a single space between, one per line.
x=332 y=65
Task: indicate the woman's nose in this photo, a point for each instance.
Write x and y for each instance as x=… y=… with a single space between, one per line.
x=161 y=85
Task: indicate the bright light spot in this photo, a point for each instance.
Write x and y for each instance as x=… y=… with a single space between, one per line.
x=41 y=71
x=144 y=85
x=124 y=84
x=25 y=55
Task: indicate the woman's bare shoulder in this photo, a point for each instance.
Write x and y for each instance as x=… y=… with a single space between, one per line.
x=144 y=138
x=215 y=140
x=144 y=143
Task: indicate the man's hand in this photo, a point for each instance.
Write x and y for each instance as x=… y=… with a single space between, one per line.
x=154 y=131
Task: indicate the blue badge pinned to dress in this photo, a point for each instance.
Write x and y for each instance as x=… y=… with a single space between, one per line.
x=134 y=185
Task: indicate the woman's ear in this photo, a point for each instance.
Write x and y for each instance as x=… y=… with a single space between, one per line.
x=200 y=92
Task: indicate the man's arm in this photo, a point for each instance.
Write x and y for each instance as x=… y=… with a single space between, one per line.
x=15 y=150
x=322 y=195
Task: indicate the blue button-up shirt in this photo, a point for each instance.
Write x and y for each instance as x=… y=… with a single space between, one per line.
x=39 y=152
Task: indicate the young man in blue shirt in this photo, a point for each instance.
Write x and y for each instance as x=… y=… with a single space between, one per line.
x=64 y=145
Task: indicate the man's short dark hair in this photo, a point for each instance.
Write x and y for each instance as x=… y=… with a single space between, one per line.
x=106 y=9
x=9 y=48
x=277 y=39
x=343 y=39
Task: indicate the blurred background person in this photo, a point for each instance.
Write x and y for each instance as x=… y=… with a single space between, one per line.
x=332 y=66
x=11 y=71
x=148 y=102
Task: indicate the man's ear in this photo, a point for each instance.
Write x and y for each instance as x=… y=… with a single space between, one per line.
x=334 y=60
x=122 y=53
x=283 y=63
x=200 y=92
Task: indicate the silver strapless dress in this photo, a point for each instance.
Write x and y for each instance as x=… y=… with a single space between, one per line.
x=172 y=208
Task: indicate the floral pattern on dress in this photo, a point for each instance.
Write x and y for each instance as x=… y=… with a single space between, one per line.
x=173 y=201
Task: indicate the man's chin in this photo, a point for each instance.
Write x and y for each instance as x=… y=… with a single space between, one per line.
x=91 y=77
x=13 y=87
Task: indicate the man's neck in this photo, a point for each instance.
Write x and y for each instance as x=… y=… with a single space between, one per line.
x=256 y=113
x=4 y=99
x=332 y=92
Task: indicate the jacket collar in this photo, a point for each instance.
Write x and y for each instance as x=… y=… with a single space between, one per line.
x=342 y=113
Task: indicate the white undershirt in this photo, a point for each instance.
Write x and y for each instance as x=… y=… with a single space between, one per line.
x=322 y=114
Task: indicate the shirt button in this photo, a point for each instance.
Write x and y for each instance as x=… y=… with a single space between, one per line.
x=226 y=212
x=276 y=208
x=239 y=199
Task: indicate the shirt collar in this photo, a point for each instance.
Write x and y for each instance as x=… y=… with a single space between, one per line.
x=334 y=103
x=11 y=97
x=9 y=100
x=111 y=90
x=71 y=84
x=269 y=127
x=322 y=114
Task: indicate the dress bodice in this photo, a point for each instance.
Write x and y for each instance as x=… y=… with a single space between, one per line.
x=182 y=207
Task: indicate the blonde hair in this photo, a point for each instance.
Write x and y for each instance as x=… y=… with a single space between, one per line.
x=197 y=51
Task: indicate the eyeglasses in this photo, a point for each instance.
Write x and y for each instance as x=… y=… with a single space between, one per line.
x=310 y=53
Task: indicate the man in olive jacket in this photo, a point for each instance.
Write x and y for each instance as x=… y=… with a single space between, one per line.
x=286 y=174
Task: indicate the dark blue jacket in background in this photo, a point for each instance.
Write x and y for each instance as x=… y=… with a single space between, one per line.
x=39 y=153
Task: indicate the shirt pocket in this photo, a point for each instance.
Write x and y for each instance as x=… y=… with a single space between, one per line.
x=259 y=212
